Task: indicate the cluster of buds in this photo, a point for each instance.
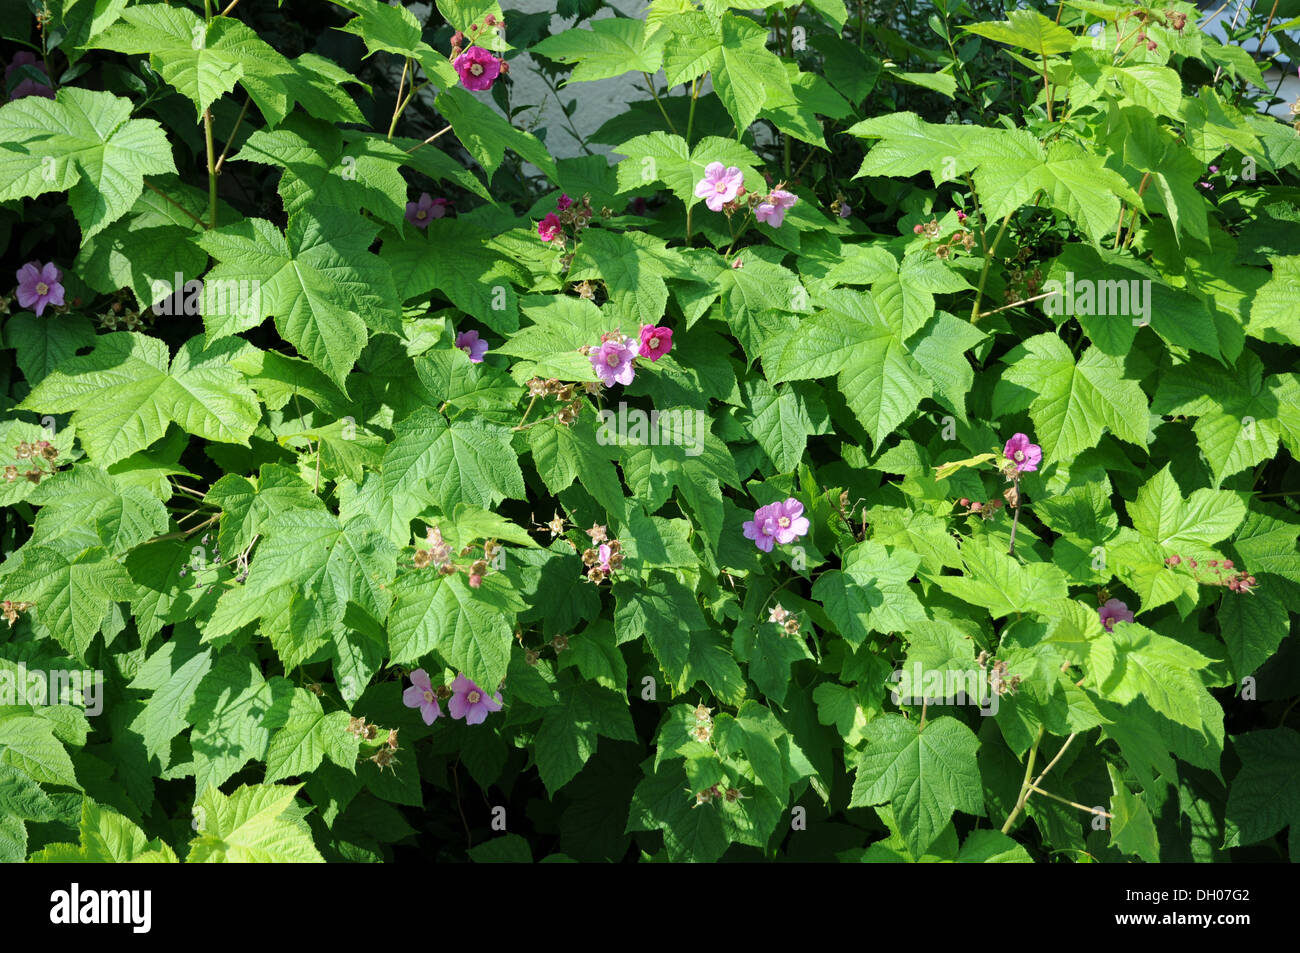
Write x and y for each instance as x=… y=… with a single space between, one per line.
x=785 y=619
x=1175 y=20
x=1022 y=285
x=930 y=229
x=944 y=250
x=120 y=317
x=986 y=510
x=438 y=554
x=1222 y=572
x=714 y=793
x=366 y=732
x=703 y=729
x=602 y=559
x=586 y=289
x=997 y=675
x=1295 y=114
x=39 y=452
x=565 y=394
x=386 y=756
x=11 y=609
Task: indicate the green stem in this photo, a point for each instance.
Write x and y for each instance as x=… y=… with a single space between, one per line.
x=649 y=81
x=984 y=274
x=1025 y=785
x=212 y=169
x=397 y=103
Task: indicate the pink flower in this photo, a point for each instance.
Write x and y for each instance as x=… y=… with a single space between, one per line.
x=421 y=695
x=27 y=86
x=564 y=202
x=772 y=210
x=549 y=229
x=38 y=285
x=603 y=554
x=421 y=213
x=1114 y=611
x=777 y=523
x=655 y=341
x=470 y=702
x=473 y=345
x=961 y=216
x=478 y=68
x=719 y=186
x=612 y=361
x=1025 y=455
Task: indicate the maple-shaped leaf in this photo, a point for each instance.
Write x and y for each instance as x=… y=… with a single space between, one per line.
x=123 y=394
x=317 y=280
x=201 y=60
x=84 y=143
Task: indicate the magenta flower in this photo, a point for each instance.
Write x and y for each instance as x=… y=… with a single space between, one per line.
x=470 y=702
x=478 y=68
x=719 y=186
x=421 y=213
x=1025 y=455
x=655 y=341
x=564 y=202
x=549 y=229
x=38 y=285
x=612 y=361
x=961 y=216
x=27 y=86
x=1114 y=611
x=422 y=696
x=473 y=345
x=772 y=209
x=777 y=523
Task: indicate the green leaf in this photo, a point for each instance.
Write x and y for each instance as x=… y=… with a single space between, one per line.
x=1001 y=583
x=441 y=464
x=317 y=279
x=1264 y=797
x=924 y=775
x=308 y=736
x=471 y=629
x=202 y=61
x=871 y=592
x=1072 y=404
x=1131 y=828
x=610 y=48
x=123 y=395
x=85 y=143
x=255 y=824
x=567 y=738
x=28 y=744
x=1197 y=522
x=1029 y=30
x=72 y=593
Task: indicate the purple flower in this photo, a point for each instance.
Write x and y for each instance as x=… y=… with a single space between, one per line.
x=603 y=555
x=421 y=213
x=1214 y=168
x=1025 y=455
x=655 y=341
x=564 y=202
x=422 y=696
x=845 y=210
x=719 y=185
x=1114 y=611
x=478 y=68
x=470 y=702
x=772 y=209
x=27 y=86
x=549 y=228
x=777 y=523
x=473 y=345
x=38 y=285
x=612 y=361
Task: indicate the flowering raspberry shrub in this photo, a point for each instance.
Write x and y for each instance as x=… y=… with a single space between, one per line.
x=920 y=436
